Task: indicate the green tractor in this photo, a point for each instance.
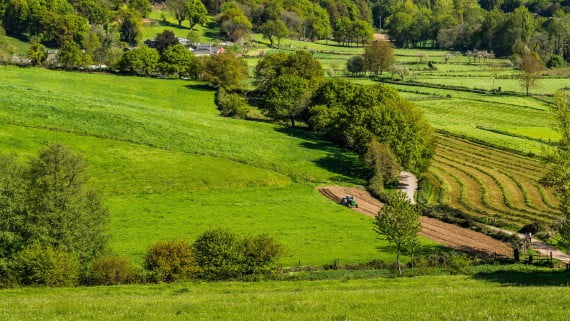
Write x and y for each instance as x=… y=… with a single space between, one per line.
x=348 y=201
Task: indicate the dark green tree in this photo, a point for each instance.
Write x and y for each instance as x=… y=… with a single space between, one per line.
x=141 y=61
x=178 y=60
x=165 y=39
x=70 y=56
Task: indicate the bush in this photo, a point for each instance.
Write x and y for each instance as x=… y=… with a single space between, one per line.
x=556 y=61
x=46 y=265
x=231 y=104
x=170 y=261
x=220 y=254
x=262 y=254
x=111 y=270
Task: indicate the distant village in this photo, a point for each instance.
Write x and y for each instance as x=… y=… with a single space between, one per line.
x=199 y=49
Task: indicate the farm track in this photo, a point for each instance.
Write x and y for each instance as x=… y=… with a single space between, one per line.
x=450 y=235
x=489 y=184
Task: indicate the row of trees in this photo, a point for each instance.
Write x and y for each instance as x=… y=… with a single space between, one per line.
x=472 y=24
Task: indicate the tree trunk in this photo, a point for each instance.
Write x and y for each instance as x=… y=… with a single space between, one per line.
x=292 y=122
x=398 y=259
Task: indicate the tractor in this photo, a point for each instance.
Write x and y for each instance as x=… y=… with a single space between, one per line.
x=348 y=201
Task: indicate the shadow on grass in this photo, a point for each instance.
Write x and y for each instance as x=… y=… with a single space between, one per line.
x=201 y=87
x=347 y=164
x=211 y=33
x=530 y=278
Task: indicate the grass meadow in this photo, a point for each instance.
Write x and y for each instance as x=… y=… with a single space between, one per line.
x=171 y=167
x=488 y=296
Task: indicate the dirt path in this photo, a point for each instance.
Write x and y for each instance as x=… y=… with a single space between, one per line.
x=447 y=234
x=408 y=184
x=538 y=246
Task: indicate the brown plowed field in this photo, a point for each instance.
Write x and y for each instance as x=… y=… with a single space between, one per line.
x=450 y=235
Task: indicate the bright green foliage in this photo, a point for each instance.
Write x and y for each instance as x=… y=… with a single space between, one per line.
x=178 y=9
x=37 y=52
x=197 y=13
x=46 y=265
x=347 y=32
x=178 y=60
x=220 y=254
x=171 y=261
x=234 y=24
x=225 y=70
x=231 y=104
x=274 y=29
x=140 y=61
x=287 y=98
x=262 y=254
x=111 y=270
x=300 y=63
x=530 y=66
x=70 y=56
x=12 y=207
x=142 y=6
x=354 y=115
x=399 y=223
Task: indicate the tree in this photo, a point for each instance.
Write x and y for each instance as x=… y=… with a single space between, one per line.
x=378 y=56
x=171 y=261
x=299 y=63
x=142 y=6
x=274 y=29
x=234 y=23
x=130 y=26
x=37 y=53
x=51 y=206
x=558 y=176
x=197 y=13
x=355 y=65
x=178 y=60
x=287 y=98
x=225 y=70
x=530 y=66
x=165 y=39
x=141 y=61
x=398 y=222
x=353 y=115
x=70 y=56
x=178 y=9
x=220 y=254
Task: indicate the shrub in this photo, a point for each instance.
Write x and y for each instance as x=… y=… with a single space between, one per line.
x=111 y=270
x=220 y=254
x=6 y=275
x=231 y=104
x=171 y=261
x=262 y=254
x=46 y=265
x=556 y=61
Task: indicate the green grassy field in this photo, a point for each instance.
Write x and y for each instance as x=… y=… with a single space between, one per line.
x=159 y=21
x=489 y=296
x=171 y=167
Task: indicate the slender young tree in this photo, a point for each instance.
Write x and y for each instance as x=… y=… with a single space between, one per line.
x=398 y=222
x=530 y=66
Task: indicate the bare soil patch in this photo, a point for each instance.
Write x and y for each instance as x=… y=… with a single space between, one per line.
x=450 y=235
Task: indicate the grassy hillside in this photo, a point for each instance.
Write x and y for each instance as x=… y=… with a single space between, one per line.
x=489 y=297
x=171 y=167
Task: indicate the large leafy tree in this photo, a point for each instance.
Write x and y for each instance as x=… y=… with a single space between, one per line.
x=354 y=115
x=274 y=29
x=234 y=24
x=287 y=98
x=399 y=223
x=225 y=71
x=141 y=61
x=378 y=56
x=50 y=204
x=299 y=63
x=197 y=13
x=178 y=60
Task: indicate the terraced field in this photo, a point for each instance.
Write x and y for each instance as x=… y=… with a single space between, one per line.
x=489 y=185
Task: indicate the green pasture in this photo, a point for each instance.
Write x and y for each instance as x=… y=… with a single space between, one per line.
x=170 y=167
x=491 y=295
x=159 y=21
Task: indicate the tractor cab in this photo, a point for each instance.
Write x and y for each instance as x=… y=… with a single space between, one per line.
x=348 y=201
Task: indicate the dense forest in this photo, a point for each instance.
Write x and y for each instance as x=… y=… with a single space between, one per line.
x=499 y=27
